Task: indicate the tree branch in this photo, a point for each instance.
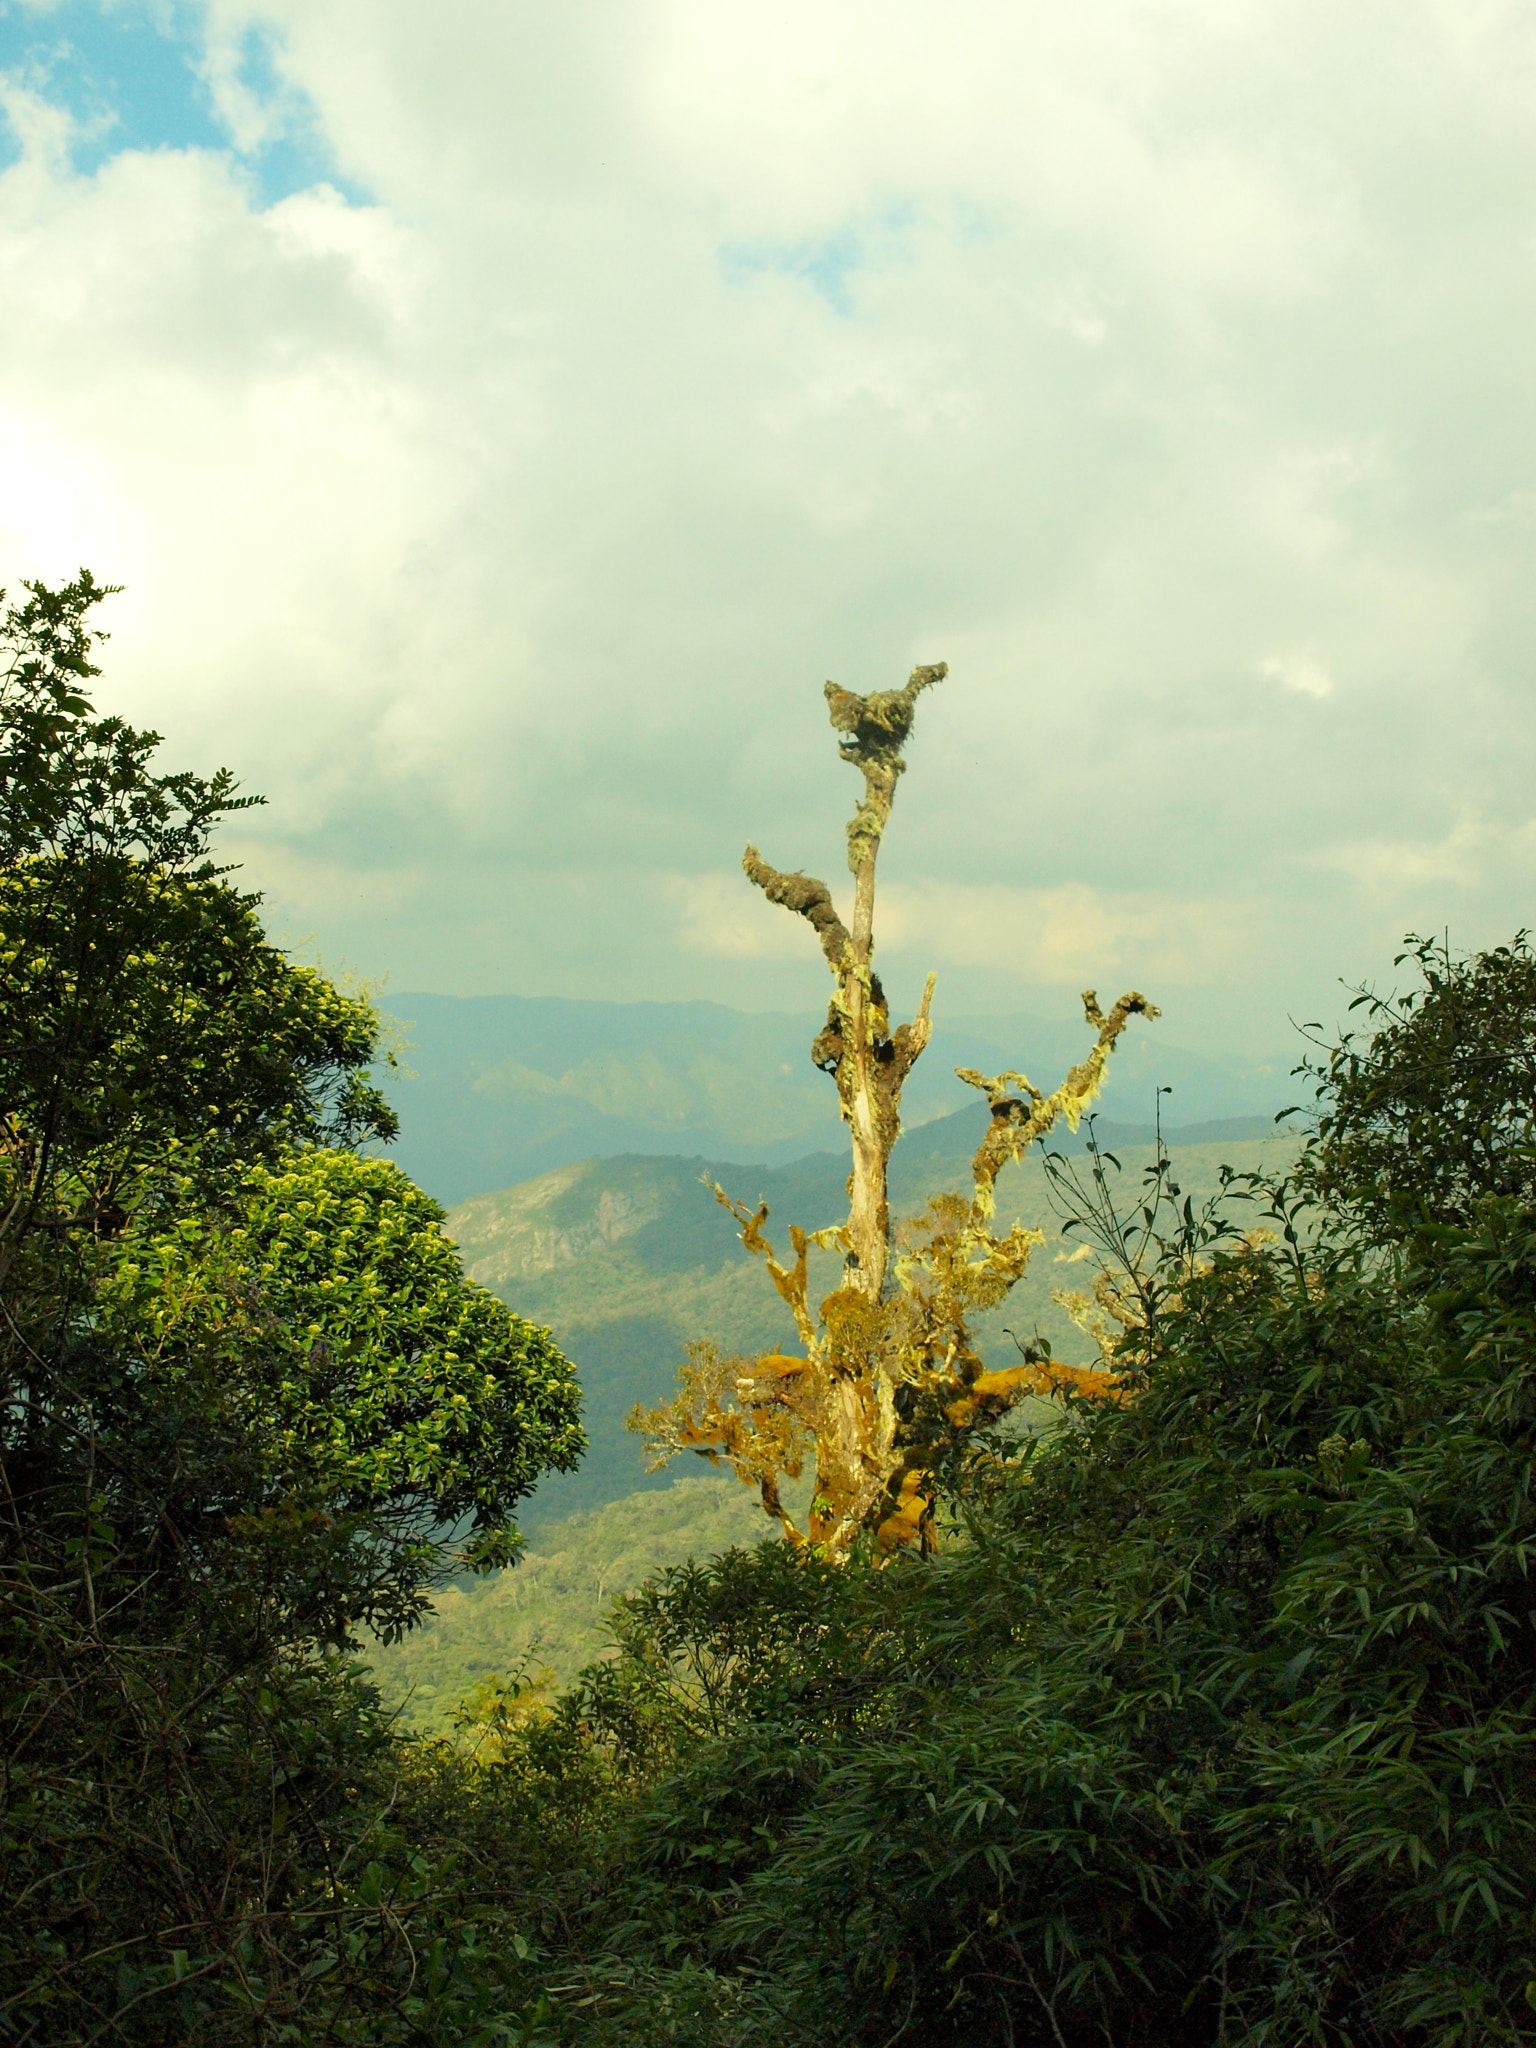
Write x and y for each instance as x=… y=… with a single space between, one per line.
x=809 y=898
x=910 y=1039
x=1016 y=1124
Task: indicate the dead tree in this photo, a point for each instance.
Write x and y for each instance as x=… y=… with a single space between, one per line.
x=886 y=1379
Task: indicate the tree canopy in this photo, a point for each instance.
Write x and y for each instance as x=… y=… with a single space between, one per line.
x=385 y=1391
x=249 y=1402
x=1434 y=1107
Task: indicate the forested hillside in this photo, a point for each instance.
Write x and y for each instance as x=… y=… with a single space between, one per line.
x=628 y=1260
x=545 y=1618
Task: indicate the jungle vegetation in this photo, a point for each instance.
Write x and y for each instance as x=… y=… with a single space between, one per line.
x=249 y=1404
x=1205 y=1717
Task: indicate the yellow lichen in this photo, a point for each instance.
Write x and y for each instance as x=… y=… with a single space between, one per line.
x=888 y=1381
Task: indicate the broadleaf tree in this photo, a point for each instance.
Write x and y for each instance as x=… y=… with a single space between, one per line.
x=399 y=1411
x=249 y=1402
x=185 y=1228
x=886 y=1380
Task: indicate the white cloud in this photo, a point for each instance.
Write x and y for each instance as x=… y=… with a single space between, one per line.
x=504 y=528
x=1064 y=937
x=1079 y=320
x=722 y=914
x=1054 y=938
x=43 y=132
x=1402 y=866
x=1303 y=671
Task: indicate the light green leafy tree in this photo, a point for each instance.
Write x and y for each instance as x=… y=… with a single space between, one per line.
x=401 y=1410
x=248 y=1404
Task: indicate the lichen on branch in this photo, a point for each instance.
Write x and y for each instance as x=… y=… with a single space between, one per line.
x=886 y=1383
x=809 y=898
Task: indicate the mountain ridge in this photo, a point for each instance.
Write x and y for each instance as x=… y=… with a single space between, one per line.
x=496 y=1090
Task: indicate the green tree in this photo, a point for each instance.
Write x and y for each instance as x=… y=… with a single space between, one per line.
x=392 y=1400
x=247 y=1399
x=142 y=1009
x=1434 y=1106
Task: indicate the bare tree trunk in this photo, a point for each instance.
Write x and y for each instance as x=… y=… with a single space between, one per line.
x=880 y=1331
x=857 y=1047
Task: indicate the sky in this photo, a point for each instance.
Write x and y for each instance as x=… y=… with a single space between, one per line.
x=504 y=417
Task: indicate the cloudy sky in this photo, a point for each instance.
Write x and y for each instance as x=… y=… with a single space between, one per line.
x=503 y=417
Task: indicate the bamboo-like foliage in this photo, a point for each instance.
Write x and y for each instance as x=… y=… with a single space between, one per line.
x=886 y=1379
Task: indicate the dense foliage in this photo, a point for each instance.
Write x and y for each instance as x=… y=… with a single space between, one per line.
x=1436 y=1106
x=248 y=1402
x=1210 y=1724
x=379 y=1385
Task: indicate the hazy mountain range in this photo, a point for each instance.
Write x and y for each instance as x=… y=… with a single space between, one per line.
x=497 y=1089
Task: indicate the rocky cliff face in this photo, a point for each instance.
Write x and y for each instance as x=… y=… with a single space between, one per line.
x=559 y=1219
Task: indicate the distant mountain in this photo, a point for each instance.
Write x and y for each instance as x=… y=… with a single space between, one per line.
x=628 y=1259
x=503 y=1088
x=958 y=1135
